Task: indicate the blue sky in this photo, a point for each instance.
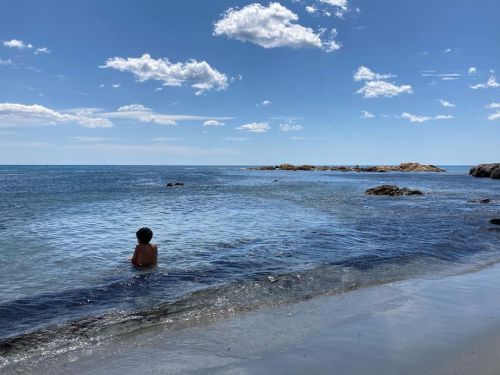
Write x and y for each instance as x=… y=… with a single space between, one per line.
x=241 y=82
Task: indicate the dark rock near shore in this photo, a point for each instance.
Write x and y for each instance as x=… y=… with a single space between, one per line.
x=403 y=167
x=486 y=170
x=392 y=190
x=495 y=221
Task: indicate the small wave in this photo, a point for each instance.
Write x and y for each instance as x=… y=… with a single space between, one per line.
x=212 y=303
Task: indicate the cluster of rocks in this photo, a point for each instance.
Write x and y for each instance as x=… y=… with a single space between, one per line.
x=486 y=170
x=172 y=184
x=403 y=167
x=392 y=190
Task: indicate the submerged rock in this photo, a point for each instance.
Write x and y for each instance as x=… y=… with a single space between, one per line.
x=392 y=190
x=486 y=170
x=495 y=221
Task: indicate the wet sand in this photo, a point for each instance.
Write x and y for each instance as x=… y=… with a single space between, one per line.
x=441 y=325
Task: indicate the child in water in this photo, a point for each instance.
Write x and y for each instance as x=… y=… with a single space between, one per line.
x=145 y=254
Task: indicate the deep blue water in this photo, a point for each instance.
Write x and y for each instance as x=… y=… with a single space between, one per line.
x=230 y=239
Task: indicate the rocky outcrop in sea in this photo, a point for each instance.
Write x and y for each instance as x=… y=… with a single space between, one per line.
x=392 y=190
x=403 y=167
x=486 y=170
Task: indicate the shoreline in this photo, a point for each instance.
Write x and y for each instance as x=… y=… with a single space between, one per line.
x=435 y=325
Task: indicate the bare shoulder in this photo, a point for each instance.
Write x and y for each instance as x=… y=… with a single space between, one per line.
x=155 y=247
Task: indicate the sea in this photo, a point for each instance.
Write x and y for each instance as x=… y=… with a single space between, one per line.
x=230 y=240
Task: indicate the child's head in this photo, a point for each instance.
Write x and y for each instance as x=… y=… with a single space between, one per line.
x=144 y=235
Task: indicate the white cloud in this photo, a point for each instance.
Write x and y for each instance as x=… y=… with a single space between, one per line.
x=494 y=116
x=141 y=113
x=445 y=103
x=290 y=127
x=311 y=9
x=6 y=62
x=42 y=50
x=265 y=103
x=493 y=106
x=365 y=74
x=374 y=86
x=375 y=89
x=19 y=44
x=270 y=27
x=198 y=74
x=255 y=127
x=491 y=83
x=342 y=4
x=441 y=76
x=116 y=85
x=133 y=107
x=416 y=118
x=472 y=70
x=296 y=138
x=13 y=114
x=367 y=114
x=447 y=50
x=213 y=123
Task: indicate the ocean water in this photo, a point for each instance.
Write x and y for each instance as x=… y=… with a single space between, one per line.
x=230 y=240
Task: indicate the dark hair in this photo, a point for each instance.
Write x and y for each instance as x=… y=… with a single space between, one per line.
x=144 y=235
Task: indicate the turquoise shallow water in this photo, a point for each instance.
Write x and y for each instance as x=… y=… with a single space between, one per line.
x=229 y=240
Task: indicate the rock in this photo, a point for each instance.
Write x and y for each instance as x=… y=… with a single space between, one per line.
x=495 y=174
x=495 y=221
x=486 y=170
x=485 y=201
x=392 y=190
x=403 y=167
x=170 y=184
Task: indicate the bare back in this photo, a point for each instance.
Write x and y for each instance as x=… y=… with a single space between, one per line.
x=145 y=255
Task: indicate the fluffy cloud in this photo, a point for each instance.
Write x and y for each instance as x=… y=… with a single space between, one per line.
x=265 y=103
x=491 y=83
x=494 y=116
x=340 y=6
x=375 y=87
x=472 y=70
x=13 y=114
x=198 y=74
x=416 y=118
x=6 y=62
x=445 y=103
x=255 y=127
x=290 y=127
x=42 y=50
x=366 y=114
x=311 y=9
x=213 y=123
x=19 y=44
x=271 y=27
x=365 y=74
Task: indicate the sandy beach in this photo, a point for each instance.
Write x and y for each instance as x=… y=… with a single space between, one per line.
x=439 y=325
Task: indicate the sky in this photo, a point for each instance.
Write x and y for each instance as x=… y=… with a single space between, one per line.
x=247 y=83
